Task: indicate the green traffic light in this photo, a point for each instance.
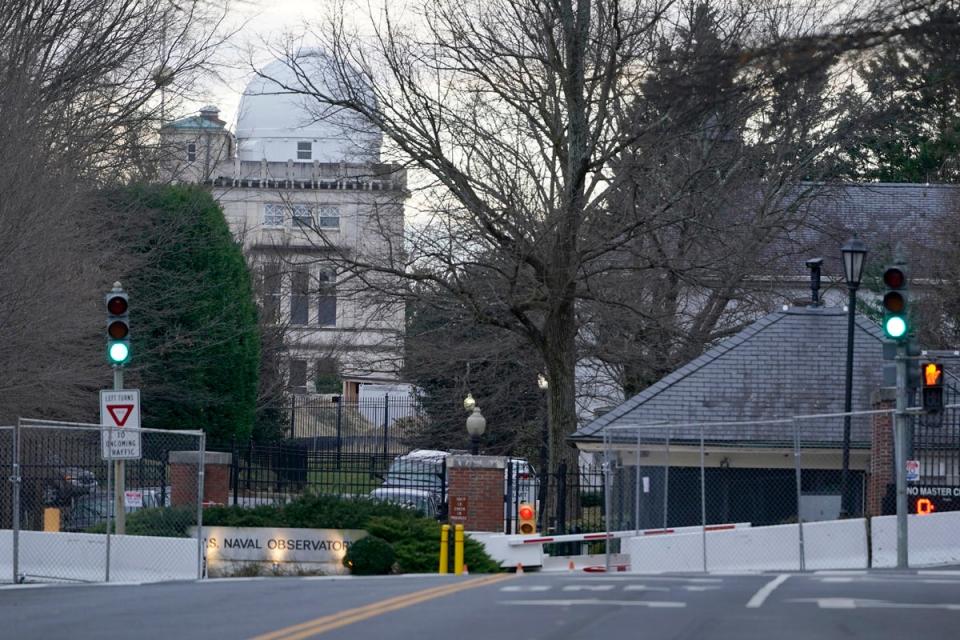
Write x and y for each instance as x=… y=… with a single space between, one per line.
x=118 y=352
x=895 y=327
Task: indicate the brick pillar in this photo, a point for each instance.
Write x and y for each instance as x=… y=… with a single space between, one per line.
x=880 y=471
x=183 y=477
x=476 y=487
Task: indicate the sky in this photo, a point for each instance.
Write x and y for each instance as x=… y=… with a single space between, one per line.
x=257 y=23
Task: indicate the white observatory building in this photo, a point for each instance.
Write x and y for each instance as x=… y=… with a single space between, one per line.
x=299 y=184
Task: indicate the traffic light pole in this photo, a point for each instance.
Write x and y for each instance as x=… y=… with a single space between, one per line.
x=900 y=454
x=120 y=514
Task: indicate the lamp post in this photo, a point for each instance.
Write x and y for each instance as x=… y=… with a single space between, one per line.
x=854 y=252
x=476 y=425
x=544 y=385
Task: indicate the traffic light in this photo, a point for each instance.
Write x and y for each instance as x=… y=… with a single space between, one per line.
x=526 y=519
x=931 y=378
x=895 y=320
x=118 y=326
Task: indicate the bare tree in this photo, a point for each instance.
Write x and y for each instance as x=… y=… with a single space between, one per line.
x=79 y=92
x=516 y=115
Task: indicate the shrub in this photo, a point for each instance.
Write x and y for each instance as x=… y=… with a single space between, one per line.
x=416 y=542
x=370 y=556
x=593 y=499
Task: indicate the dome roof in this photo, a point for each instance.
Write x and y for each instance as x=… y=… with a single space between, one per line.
x=274 y=122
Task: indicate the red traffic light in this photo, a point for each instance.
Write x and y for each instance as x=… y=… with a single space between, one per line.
x=117 y=305
x=894 y=278
x=526 y=511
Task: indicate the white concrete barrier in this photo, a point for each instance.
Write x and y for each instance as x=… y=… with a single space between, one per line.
x=499 y=547
x=835 y=544
x=82 y=557
x=840 y=544
x=933 y=539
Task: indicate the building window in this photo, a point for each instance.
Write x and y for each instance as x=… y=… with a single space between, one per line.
x=299 y=297
x=326 y=376
x=328 y=217
x=191 y=151
x=271 y=292
x=327 y=299
x=304 y=151
x=273 y=215
x=302 y=214
x=298 y=376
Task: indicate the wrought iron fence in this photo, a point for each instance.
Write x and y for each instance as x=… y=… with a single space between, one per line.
x=342 y=430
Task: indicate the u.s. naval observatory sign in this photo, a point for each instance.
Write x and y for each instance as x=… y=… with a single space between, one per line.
x=230 y=549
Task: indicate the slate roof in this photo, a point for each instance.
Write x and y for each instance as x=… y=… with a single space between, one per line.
x=788 y=363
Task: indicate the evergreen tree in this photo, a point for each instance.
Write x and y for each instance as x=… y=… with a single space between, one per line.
x=905 y=122
x=196 y=343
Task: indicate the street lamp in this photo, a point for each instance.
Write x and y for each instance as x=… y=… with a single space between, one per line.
x=469 y=403
x=476 y=425
x=543 y=385
x=854 y=253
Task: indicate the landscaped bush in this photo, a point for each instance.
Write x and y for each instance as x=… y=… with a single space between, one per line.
x=416 y=542
x=370 y=556
x=169 y=522
x=414 y=539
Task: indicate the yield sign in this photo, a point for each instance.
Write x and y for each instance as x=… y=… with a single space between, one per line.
x=120 y=413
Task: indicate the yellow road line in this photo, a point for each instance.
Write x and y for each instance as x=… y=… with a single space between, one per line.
x=350 y=616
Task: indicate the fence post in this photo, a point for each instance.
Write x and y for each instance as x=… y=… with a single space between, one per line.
x=386 y=422
x=666 y=482
x=16 y=480
x=249 y=462
x=703 y=501
x=109 y=499
x=339 y=402
x=562 y=497
x=201 y=463
x=796 y=466
x=636 y=491
x=508 y=501
x=235 y=470
x=606 y=497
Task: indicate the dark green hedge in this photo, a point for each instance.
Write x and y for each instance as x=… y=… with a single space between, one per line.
x=415 y=539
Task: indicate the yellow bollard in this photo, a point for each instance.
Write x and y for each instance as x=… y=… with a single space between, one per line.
x=458 y=549
x=444 y=547
x=51 y=519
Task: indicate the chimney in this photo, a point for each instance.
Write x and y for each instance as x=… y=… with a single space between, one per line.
x=211 y=113
x=814 y=265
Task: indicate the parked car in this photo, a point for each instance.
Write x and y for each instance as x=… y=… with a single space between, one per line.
x=90 y=510
x=62 y=483
x=421 y=473
x=425 y=502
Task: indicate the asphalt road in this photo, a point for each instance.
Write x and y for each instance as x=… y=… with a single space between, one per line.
x=828 y=605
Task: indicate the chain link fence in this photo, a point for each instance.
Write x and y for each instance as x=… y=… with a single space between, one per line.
x=67 y=513
x=797 y=493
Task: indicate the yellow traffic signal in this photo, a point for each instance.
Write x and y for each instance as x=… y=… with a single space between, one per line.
x=526 y=519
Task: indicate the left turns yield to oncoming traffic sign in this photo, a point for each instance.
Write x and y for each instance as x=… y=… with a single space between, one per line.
x=120 y=412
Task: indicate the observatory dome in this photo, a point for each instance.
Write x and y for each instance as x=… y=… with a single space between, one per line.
x=277 y=124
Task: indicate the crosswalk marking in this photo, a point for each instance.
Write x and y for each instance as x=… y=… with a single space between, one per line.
x=588 y=587
x=652 y=604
